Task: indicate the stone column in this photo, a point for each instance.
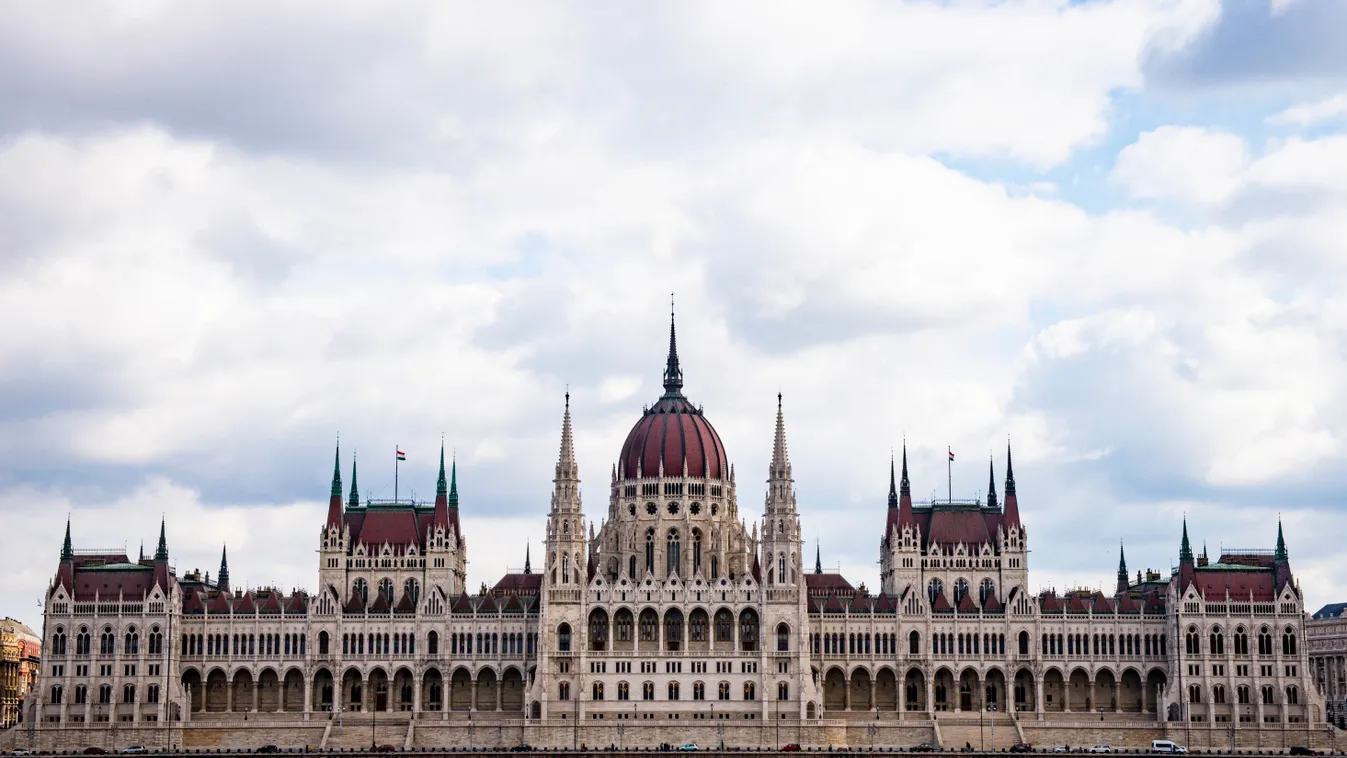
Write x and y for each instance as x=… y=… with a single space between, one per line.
x=1117 y=695
x=930 y=694
x=846 y=692
x=1038 y=696
x=229 y=696
x=873 y=701
x=366 y=695
x=500 y=692
x=472 y=683
x=416 y=694
x=257 y=692
x=308 y=697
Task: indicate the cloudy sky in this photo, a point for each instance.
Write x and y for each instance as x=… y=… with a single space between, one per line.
x=1112 y=231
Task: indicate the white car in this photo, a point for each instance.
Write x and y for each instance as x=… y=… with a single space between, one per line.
x=1060 y=749
x=1101 y=749
x=134 y=750
x=21 y=751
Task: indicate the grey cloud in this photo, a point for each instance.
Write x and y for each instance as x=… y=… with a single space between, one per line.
x=1250 y=44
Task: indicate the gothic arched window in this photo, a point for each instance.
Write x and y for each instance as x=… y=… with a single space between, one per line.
x=673 y=554
x=650 y=551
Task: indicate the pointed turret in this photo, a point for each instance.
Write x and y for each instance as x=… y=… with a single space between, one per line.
x=818 y=559
x=991 y=484
x=161 y=553
x=567 y=470
x=673 y=374
x=334 y=503
x=1187 y=569
x=780 y=459
x=1012 y=504
x=893 y=487
x=141 y=557
x=905 y=516
x=528 y=564
x=354 y=500
x=453 y=484
x=223 y=581
x=68 y=552
x=1122 y=569
x=1281 y=561
x=439 y=518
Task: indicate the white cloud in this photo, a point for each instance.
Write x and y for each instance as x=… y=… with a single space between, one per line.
x=1307 y=114
x=211 y=281
x=1182 y=163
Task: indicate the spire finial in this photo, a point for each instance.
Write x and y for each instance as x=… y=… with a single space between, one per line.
x=1185 y=547
x=1122 y=569
x=68 y=552
x=1010 y=472
x=780 y=458
x=336 y=471
x=441 y=486
x=222 y=581
x=453 y=481
x=354 y=500
x=991 y=483
x=818 y=558
x=1281 y=554
x=161 y=553
x=893 y=487
x=904 y=486
x=673 y=375
x=528 y=565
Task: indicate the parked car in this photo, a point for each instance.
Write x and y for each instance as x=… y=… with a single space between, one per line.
x=522 y=747
x=691 y=746
x=21 y=751
x=1061 y=749
x=95 y=751
x=793 y=747
x=268 y=749
x=134 y=750
x=1302 y=750
x=1021 y=747
x=384 y=749
x=1167 y=746
x=1101 y=749
x=926 y=747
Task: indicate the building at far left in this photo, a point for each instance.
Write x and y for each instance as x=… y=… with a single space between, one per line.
x=20 y=659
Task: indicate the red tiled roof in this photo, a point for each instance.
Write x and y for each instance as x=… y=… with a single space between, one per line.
x=945 y=526
x=1241 y=584
x=380 y=604
x=827 y=583
x=941 y=603
x=513 y=584
x=405 y=605
x=355 y=605
x=462 y=604
x=966 y=605
x=992 y=605
x=245 y=603
x=673 y=432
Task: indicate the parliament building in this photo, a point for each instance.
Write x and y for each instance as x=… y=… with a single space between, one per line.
x=675 y=618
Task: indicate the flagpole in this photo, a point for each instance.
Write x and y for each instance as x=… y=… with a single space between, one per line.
x=395 y=472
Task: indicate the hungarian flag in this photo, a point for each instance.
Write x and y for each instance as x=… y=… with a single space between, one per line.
x=403 y=456
x=951 y=454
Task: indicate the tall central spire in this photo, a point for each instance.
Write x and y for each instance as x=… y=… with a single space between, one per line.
x=222 y=582
x=67 y=552
x=780 y=459
x=566 y=468
x=893 y=488
x=991 y=484
x=355 y=492
x=161 y=553
x=673 y=375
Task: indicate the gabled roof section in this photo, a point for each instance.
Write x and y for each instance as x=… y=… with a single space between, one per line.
x=406 y=604
x=941 y=604
x=355 y=605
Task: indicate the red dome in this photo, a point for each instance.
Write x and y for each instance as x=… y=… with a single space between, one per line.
x=675 y=432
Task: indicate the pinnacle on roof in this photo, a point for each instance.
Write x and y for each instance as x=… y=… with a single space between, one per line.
x=991 y=483
x=893 y=488
x=905 y=487
x=67 y=552
x=1185 y=548
x=355 y=494
x=818 y=559
x=336 y=472
x=1010 y=473
x=441 y=486
x=223 y=581
x=528 y=566
x=673 y=375
x=161 y=553
x=1281 y=554
x=566 y=457
x=1122 y=564
x=1011 y=509
x=453 y=482
x=780 y=459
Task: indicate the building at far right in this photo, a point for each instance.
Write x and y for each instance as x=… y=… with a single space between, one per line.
x=1326 y=638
